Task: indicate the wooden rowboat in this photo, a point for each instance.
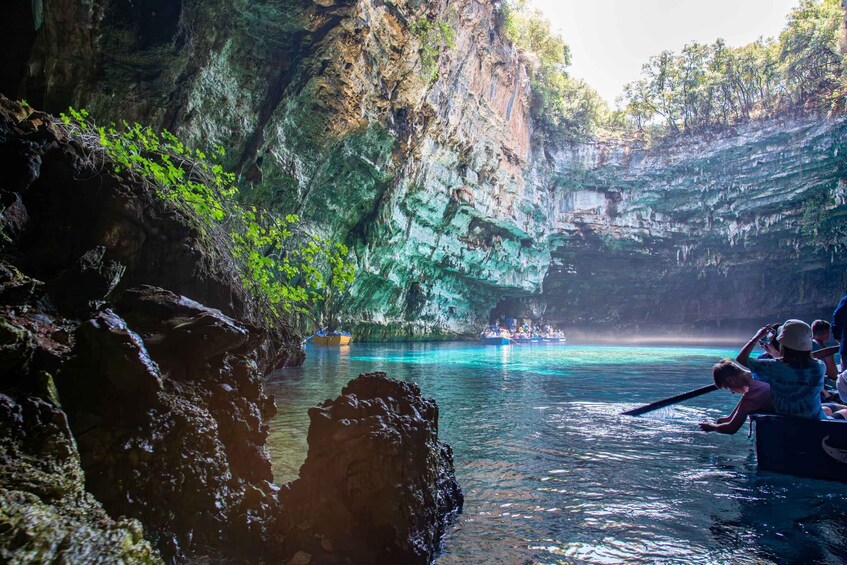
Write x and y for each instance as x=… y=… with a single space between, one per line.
x=333 y=339
x=798 y=446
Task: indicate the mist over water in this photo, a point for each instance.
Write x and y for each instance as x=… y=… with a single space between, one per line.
x=553 y=473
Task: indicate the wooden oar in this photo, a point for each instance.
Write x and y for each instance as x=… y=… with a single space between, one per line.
x=668 y=401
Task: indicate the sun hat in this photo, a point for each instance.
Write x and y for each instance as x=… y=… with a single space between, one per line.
x=796 y=335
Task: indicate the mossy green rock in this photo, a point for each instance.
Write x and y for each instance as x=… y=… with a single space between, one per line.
x=45 y=514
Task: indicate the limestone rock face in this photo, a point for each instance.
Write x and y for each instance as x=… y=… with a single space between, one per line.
x=427 y=166
x=717 y=234
x=377 y=485
x=329 y=109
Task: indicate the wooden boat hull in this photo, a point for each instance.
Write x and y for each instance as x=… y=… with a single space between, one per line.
x=797 y=446
x=333 y=339
x=496 y=340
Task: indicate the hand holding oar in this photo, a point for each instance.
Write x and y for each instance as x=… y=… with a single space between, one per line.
x=669 y=401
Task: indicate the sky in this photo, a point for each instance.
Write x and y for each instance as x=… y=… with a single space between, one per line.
x=611 y=39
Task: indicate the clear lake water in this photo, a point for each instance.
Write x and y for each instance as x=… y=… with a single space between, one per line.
x=552 y=473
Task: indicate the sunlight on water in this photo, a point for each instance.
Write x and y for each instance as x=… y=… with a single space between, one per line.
x=552 y=473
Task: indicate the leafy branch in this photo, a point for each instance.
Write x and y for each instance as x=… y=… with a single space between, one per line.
x=285 y=268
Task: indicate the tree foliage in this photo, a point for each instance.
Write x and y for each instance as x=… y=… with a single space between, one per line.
x=287 y=269
x=562 y=106
x=706 y=86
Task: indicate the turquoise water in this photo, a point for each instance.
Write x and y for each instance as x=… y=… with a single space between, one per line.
x=553 y=474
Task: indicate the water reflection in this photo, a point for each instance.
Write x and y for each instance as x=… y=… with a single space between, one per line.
x=552 y=473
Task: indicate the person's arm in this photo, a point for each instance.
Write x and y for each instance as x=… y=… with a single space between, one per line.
x=825 y=352
x=725 y=419
x=743 y=357
x=825 y=355
x=730 y=426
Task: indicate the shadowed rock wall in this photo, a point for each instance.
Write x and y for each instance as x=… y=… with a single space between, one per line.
x=120 y=397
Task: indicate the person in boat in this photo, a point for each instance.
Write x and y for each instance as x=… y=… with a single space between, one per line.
x=821 y=330
x=796 y=378
x=839 y=329
x=755 y=397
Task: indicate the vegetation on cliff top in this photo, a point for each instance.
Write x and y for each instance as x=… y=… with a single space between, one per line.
x=288 y=270
x=563 y=106
x=706 y=86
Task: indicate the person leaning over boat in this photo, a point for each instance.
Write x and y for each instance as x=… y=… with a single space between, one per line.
x=756 y=397
x=796 y=378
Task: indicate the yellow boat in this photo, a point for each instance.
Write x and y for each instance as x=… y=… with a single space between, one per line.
x=333 y=339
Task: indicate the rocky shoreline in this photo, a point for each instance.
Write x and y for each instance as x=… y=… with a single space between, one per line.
x=132 y=409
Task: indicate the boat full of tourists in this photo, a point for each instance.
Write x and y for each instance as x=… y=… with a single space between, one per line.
x=496 y=336
x=799 y=446
x=523 y=335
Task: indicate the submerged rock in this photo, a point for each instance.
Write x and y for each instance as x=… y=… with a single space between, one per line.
x=377 y=485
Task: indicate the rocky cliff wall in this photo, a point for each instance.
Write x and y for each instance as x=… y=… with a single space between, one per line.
x=122 y=398
x=711 y=234
x=329 y=110
x=430 y=172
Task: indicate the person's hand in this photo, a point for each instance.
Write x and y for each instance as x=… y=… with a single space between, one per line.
x=763 y=332
x=771 y=350
x=707 y=427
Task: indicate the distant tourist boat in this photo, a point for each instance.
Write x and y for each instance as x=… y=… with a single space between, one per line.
x=342 y=339
x=554 y=340
x=496 y=340
x=528 y=339
x=797 y=446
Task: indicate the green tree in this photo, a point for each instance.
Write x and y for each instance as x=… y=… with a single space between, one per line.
x=562 y=106
x=813 y=62
x=716 y=85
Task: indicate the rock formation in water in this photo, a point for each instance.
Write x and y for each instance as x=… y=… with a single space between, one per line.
x=121 y=395
x=428 y=167
x=377 y=485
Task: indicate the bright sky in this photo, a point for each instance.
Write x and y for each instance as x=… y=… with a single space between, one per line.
x=611 y=39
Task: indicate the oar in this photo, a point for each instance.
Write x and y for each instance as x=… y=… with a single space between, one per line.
x=669 y=401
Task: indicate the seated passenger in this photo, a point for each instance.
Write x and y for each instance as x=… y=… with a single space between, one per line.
x=756 y=396
x=820 y=338
x=796 y=378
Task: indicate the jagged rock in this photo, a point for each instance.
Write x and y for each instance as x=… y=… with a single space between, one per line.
x=377 y=485
x=16 y=349
x=89 y=279
x=13 y=216
x=179 y=331
x=15 y=287
x=46 y=516
x=106 y=347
